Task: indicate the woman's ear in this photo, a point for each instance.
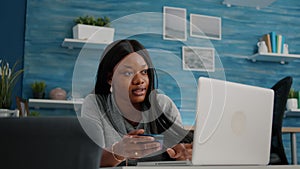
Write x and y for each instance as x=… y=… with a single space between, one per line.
x=109 y=82
x=109 y=78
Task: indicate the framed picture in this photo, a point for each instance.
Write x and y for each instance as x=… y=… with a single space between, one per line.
x=174 y=24
x=203 y=26
x=198 y=58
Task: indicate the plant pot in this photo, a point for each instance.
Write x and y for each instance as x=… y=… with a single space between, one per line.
x=39 y=95
x=95 y=34
x=9 y=113
x=292 y=103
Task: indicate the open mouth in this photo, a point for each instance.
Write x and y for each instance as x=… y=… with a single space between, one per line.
x=139 y=91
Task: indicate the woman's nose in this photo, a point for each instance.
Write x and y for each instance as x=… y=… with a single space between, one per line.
x=138 y=79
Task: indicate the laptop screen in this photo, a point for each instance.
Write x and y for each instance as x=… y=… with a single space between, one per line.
x=233 y=123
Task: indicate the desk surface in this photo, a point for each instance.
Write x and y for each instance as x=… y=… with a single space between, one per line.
x=284 y=129
x=291 y=129
x=213 y=167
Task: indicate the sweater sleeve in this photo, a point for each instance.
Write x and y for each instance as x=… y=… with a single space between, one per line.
x=169 y=108
x=90 y=110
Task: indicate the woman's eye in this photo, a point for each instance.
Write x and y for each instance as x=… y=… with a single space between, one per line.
x=144 y=72
x=128 y=73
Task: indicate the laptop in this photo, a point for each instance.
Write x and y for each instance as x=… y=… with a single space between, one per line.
x=48 y=142
x=233 y=125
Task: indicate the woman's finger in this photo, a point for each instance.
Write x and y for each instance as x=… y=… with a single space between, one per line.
x=134 y=154
x=136 y=132
x=171 y=152
x=188 y=146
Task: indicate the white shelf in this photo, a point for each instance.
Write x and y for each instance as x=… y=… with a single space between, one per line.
x=292 y=113
x=294 y=110
x=77 y=43
x=258 y=4
x=61 y=104
x=274 y=57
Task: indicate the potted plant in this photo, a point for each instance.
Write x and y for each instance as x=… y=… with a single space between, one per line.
x=8 y=79
x=292 y=102
x=93 y=29
x=34 y=114
x=38 y=89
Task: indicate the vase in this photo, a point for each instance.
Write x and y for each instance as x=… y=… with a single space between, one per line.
x=58 y=94
x=291 y=104
x=262 y=47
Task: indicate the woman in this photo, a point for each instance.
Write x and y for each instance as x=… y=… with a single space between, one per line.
x=126 y=105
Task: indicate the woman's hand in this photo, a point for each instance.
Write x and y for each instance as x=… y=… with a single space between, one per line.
x=181 y=151
x=133 y=146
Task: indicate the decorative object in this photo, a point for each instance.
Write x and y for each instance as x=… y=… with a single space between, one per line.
x=198 y=58
x=292 y=102
x=262 y=47
x=9 y=77
x=207 y=27
x=93 y=30
x=174 y=24
x=38 y=89
x=58 y=94
x=286 y=48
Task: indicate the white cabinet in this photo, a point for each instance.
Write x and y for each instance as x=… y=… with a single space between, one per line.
x=274 y=57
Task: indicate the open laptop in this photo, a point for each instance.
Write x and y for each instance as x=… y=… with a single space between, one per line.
x=48 y=143
x=233 y=125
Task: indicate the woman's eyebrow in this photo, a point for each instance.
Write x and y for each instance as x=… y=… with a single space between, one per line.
x=130 y=67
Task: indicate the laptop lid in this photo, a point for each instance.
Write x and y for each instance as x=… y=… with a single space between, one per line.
x=49 y=142
x=233 y=124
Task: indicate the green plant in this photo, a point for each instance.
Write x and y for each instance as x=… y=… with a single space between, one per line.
x=9 y=77
x=38 y=86
x=34 y=113
x=293 y=94
x=90 y=20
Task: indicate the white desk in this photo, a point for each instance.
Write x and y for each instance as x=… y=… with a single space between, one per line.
x=292 y=131
x=212 y=167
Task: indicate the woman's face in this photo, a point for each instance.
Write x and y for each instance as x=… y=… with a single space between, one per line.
x=130 y=79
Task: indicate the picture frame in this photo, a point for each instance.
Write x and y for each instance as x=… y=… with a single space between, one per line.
x=198 y=58
x=174 y=23
x=203 y=26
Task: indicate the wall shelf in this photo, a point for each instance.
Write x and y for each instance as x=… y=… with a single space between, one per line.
x=258 y=4
x=55 y=104
x=274 y=57
x=292 y=113
x=77 y=43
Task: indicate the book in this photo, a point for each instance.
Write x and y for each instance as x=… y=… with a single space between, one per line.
x=273 y=41
x=282 y=43
x=279 y=43
x=267 y=39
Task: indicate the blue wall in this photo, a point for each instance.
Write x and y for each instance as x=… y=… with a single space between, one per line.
x=12 y=32
x=50 y=21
